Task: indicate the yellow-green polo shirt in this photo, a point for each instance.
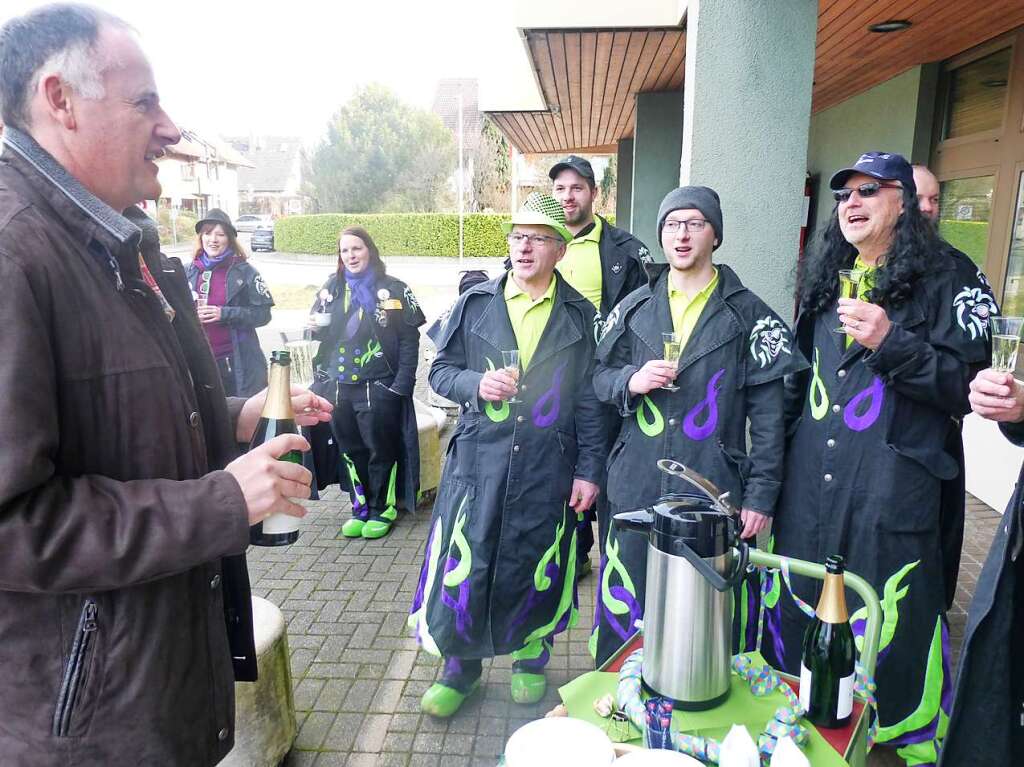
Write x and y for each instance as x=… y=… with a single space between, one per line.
x=686 y=311
x=528 y=317
x=581 y=265
x=867 y=281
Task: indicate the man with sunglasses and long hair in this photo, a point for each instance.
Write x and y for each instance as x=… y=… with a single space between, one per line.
x=868 y=425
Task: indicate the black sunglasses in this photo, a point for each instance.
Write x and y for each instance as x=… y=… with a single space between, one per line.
x=870 y=189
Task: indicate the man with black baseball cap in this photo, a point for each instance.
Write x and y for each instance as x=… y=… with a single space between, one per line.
x=602 y=262
x=868 y=426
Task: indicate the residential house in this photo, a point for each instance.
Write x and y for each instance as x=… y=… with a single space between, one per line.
x=272 y=184
x=199 y=173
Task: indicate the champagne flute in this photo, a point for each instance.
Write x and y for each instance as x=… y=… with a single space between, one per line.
x=849 y=287
x=673 y=343
x=510 y=362
x=1005 y=342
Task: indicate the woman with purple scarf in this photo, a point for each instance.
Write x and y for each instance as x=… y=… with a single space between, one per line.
x=232 y=301
x=366 y=365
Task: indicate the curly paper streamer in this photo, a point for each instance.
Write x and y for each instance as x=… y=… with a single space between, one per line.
x=875 y=395
x=653 y=426
x=817 y=397
x=708 y=404
x=546 y=408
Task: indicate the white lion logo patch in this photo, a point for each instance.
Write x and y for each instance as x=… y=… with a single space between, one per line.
x=768 y=339
x=410 y=299
x=261 y=286
x=972 y=307
x=613 y=317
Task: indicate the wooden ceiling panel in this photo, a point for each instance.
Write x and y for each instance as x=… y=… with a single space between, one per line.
x=849 y=59
x=589 y=78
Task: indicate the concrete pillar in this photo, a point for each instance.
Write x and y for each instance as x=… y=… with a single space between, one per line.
x=749 y=71
x=624 y=183
x=656 y=148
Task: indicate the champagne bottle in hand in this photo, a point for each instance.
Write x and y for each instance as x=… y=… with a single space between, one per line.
x=277 y=418
x=826 y=669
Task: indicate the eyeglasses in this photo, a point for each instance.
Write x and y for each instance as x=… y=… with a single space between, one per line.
x=869 y=189
x=692 y=225
x=537 y=240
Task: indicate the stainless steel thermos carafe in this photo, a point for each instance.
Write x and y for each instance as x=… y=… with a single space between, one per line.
x=694 y=559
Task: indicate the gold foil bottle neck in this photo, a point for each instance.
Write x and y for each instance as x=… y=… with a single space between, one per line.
x=832 y=604
x=278 y=406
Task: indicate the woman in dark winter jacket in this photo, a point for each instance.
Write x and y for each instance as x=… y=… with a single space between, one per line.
x=366 y=365
x=232 y=301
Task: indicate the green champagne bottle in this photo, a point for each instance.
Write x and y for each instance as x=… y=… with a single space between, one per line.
x=277 y=418
x=826 y=669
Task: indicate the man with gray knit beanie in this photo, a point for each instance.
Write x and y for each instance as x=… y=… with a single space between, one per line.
x=733 y=352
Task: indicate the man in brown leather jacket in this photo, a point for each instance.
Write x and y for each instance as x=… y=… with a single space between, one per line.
x=123 y=544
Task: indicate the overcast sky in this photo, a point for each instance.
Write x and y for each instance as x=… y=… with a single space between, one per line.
x=285 y=67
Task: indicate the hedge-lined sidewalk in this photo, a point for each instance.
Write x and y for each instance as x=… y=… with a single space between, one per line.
x=398 y=234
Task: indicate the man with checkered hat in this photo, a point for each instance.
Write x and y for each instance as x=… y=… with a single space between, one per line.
x=499 y=571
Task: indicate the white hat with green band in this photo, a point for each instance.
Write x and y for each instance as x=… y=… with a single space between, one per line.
x=542 y=210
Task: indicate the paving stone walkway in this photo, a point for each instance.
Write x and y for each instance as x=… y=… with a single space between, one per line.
x=358 y=675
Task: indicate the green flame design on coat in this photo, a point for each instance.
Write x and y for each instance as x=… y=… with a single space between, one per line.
x=353 y=478
x=565 y=603
x=656 y=424
x=540 y=579
x=371 y=349
x=614 y=565
x=891 y=595
x=930 y=708
x=818 y=395
x=502 y=411
x=458 y=540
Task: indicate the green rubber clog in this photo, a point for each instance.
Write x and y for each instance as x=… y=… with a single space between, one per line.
x=376 y=528
x=353 y=528
x=528 y=688
x=443 y=701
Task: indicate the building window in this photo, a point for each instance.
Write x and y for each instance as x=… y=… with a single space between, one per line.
x=1013 y=293
x=965 y=212
x=188 y=171
x=977 y=94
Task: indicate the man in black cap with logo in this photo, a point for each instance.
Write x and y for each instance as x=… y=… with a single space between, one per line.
x=602 y=262
x=868 y=426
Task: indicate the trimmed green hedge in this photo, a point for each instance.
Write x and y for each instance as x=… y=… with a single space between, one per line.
x=396 y=234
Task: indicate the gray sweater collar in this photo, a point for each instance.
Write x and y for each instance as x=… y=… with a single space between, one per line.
x=119 y=227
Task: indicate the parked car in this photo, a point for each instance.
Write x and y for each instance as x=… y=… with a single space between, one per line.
x=249 y=221
x=262 y=237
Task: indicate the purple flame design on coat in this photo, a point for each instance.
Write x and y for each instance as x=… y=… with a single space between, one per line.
x=875 y=394
x=461 y=605
x=635 y=613
x=421 y=587
x=551 y=572
x=551 y=400
x=709 y=404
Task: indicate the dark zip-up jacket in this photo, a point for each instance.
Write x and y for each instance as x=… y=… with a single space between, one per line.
x=113 y=590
